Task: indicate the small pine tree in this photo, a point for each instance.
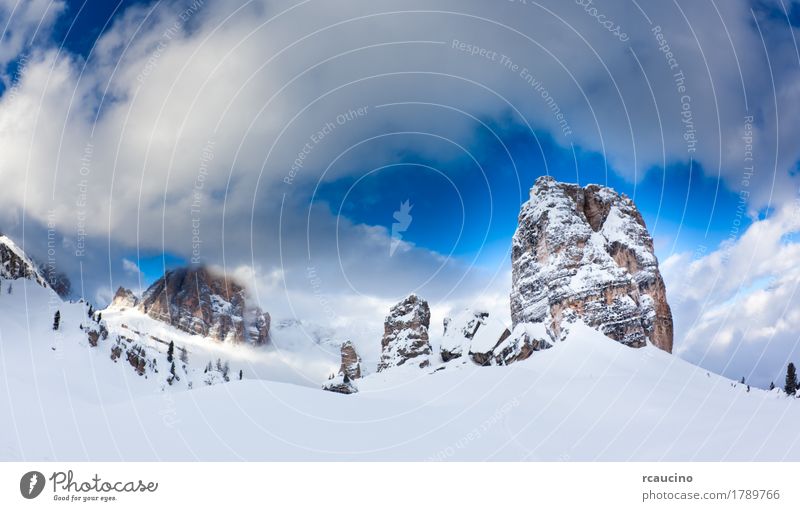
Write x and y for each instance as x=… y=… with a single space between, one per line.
x=241 y=375
x=791 y=380
x=99 y=317
x=170 y=351
x=90 y=313
x=57 y=320
x=742 y=381
x=772 y=385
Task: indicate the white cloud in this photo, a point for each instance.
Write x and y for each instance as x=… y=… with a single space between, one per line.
x=130 y=267
x=735 y=309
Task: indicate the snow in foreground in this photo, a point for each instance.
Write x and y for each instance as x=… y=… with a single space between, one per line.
x=588 y=398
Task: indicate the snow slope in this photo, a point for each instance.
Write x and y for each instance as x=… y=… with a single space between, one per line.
x=587 y=398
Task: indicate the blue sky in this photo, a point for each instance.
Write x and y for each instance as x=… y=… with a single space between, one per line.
x=469 y=205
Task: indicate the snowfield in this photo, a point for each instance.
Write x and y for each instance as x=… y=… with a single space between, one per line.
x=587 y=398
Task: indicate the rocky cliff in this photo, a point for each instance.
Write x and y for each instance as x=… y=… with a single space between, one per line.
x=585 y=252
x=349 y=370
x=124 y=299
x=199 y=301
x=14 y=264
x=405 y=336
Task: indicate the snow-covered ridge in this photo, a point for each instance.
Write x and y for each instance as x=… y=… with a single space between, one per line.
x=119 y=384
x=14 y=264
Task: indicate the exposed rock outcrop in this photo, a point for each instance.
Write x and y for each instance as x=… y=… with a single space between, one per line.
x=349 y=370
x=14 y=264
x=340 y=384
x=586 y=253
x=520 y=344
x=405 y=336
x=124 y=299
x=198 y=301
x=459 y=332
x=351 y=362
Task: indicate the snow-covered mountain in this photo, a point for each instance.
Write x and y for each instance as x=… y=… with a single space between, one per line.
x=405 y=336
x=190 y=370
x=200 y=301
x=588 y=398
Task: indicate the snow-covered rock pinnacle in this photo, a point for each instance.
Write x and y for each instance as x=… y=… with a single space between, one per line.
x=349 y=370
x=351 y=362
x=198 y=301
x=405 y=336
x=586 y=253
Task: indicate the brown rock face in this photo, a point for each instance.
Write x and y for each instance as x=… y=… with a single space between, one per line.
x=351 y=362
x=350 y=370
x=586 y=253
x=199 y=302
x=124 y=299
x=405 y=335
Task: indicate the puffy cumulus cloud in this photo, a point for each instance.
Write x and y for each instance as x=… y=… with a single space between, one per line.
x=736 y=308
x=202 y=128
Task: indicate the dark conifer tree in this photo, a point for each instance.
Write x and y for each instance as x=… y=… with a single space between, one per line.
x=791 y=380
x=57 y=320
x=170 y=351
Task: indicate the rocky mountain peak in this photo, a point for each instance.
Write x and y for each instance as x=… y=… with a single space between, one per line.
x=124 y=299
x=200 y=301
x=405 y=336
x=349 y=370
x=585 y=252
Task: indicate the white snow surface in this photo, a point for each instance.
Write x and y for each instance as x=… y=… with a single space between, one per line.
x=588 y=398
